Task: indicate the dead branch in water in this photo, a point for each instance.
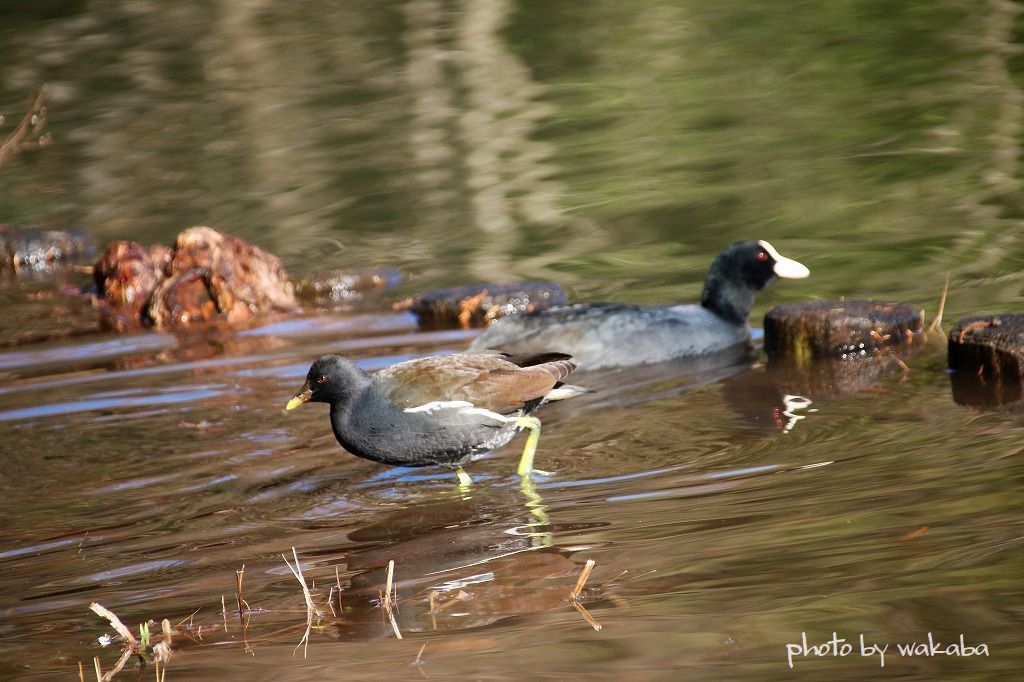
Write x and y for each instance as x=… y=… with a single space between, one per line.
x=115 y=623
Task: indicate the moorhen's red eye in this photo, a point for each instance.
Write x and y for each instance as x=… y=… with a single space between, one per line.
x=762 y=256
x=321 y=379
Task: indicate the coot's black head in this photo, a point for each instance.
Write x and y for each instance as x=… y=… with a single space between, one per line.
x=331 y=379
x=739 y=272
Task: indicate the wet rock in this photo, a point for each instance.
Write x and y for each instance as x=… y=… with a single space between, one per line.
x=242 y=278
x=480 y=304
x=839 y=329
x=986 y=354
x=208 y=276
x=345 y=286
x=126 y=276
x=41 y=249
x=182 y=300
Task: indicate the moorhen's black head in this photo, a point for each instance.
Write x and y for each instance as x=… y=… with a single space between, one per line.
x=331 y=379
x=739 y=272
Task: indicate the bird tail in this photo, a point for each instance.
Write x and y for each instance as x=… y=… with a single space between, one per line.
x=565 y=391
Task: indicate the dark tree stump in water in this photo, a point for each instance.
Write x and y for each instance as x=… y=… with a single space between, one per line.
x=986 y=353
x=478 y=305
x=842 y=329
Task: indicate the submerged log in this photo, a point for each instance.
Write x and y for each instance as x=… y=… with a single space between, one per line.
x=839 y=329
x=345 y=286
x=986 y=354
x=32 y=248
x=480 y=304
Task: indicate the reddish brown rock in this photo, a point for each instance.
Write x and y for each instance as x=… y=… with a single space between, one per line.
x=243 y=279
x=126 y=276
x=183 y=300
x=208 y=277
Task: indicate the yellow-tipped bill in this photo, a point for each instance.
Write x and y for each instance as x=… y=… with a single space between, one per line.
x=303 y=396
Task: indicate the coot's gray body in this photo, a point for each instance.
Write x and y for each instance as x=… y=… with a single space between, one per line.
x=600 y=335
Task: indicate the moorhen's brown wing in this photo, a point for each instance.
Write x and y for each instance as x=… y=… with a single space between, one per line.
x=486 y=380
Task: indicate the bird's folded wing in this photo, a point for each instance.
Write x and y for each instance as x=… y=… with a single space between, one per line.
x=487 y=381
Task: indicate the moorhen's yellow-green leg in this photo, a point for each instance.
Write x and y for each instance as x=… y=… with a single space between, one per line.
x=539 y=511
x=464 y=480
x=530 y=449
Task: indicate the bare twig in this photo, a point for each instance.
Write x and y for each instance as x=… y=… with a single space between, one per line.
x=125 y=655
x=115 y=623
x=32 y=123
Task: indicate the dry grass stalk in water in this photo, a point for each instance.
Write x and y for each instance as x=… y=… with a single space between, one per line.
x=591 y=621
x=936 y=324
x=576 y=591
x=162 y=649
x=224 y=612
x=297 y=572
x=239 y=575
x=337 y=582
x=389 y=600
x=310 y=609
x=433 y=609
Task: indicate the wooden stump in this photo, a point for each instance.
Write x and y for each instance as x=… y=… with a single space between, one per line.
x=986 y=353
x=838 y=329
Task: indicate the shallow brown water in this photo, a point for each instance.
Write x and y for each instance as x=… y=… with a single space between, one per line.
x=613 y=147
x=142 y=472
